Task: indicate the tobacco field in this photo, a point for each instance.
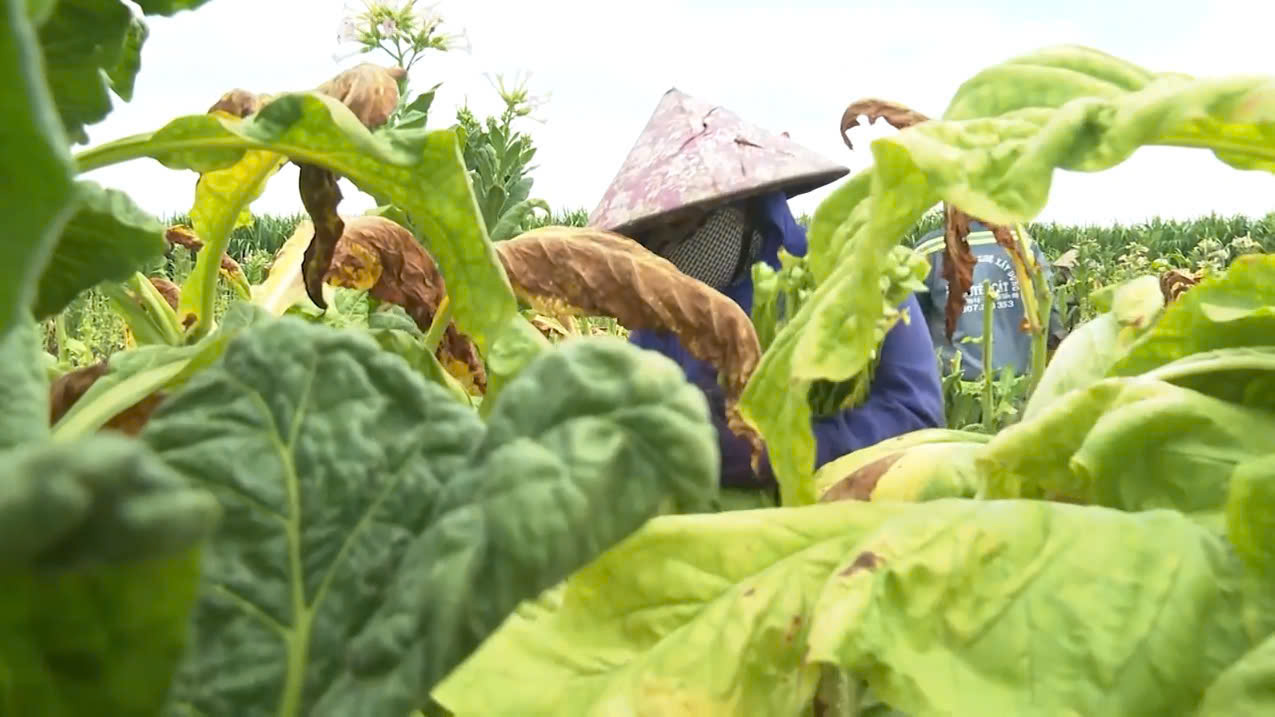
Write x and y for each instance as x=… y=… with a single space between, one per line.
x=404 y=462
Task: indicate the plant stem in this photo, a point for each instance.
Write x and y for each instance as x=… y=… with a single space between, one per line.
x=442 y=317
x=143 y=324
x=61 y=335
x=1043 y=304
x=989 y=422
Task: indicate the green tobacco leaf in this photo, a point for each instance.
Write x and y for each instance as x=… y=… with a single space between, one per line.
x=519 y=345
x=996 y=164
x=1240 y=375
x=412 y=349
x=1132 y=444
x=108 y=239
x=1023 y=607
x=24 y=386
x=1250 y=514
x=104 y=499
x=1235 y=309
x=123 y=75
x=38 y=11
x=137 y=373
x=1246 y=688
x=99 y=570
x=692 y=615
x=95 y=642
x=376 y=530
x=221 y=196
x=33 y=147
x=392 y=165
x=86 y=47
x=167 y=8
x=1087 y=354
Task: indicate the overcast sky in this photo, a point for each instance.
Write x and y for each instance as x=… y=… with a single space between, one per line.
x=786 y=66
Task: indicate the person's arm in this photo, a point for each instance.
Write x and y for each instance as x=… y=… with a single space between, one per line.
x=906 y=395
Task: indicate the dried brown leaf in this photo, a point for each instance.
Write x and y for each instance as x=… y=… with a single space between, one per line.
x=68 y=388
x=370 y=91
x=184 y=236
x=238 y=102
x=897 y=115
x=1176 y=282
x=170 y=291
x=380 y=256
x=958 y=264
x=602 y=273
x=320 y=195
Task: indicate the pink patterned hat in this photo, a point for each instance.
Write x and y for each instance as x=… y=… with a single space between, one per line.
x=692 y=156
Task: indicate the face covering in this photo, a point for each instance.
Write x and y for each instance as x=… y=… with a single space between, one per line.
x=720 y=251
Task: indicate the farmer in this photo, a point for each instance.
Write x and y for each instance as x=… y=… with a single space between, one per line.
x=1011 y=345
x=709 y=193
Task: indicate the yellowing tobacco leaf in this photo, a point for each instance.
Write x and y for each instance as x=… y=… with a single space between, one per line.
x=994 y=155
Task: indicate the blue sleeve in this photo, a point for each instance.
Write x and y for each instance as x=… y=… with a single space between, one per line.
x=736 y=463
x=906 y=395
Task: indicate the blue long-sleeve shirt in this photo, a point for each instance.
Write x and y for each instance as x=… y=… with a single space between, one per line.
x=905 y=394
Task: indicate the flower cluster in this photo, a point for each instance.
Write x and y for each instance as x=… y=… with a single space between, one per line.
x=402 y=29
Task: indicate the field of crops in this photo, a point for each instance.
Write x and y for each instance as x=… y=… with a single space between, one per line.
x=1094 y=257
x=401 y=464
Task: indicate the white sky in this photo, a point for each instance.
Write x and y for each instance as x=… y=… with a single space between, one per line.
x=784 y=66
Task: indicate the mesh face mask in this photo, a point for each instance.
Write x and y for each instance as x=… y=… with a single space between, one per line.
x=720 y=251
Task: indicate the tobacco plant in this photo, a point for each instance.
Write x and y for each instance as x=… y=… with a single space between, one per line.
x=255 y=512
x=1107 y=554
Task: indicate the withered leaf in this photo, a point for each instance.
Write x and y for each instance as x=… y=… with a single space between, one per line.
x=602 y=273
x=380 y=256
x=897 y=115
x=238 y=102
x=1176 y=282
x=958 y=264
x=370 y=91
x=958 y=260
x=72 y=385
x=320 y=195
x=183 y=236
x=167 y=289
x=860 y=484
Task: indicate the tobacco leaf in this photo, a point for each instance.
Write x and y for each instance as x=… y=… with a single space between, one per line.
x=382 y=257
x=320 y=195
x=183 y=236
x=239 y=102
x=897 y=115
x=860 y=484
x=958 y=264
x=1176 y=282
x=370 y=91
x=602 y=273
x=68 y=388
x=167 y=289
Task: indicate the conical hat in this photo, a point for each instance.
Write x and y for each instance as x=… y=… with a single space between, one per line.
x=694 y=155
